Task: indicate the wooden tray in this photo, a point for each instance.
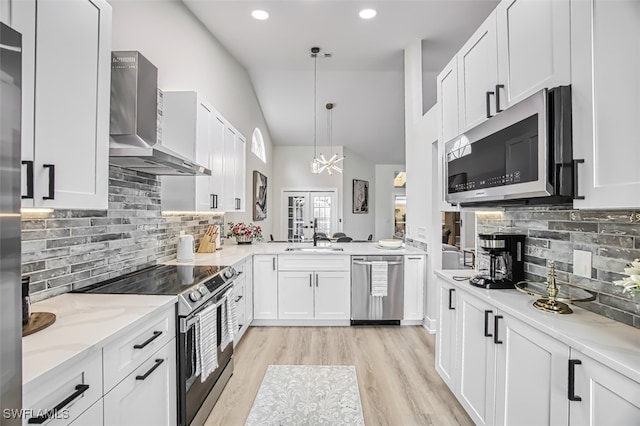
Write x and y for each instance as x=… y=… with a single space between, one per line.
x=38 y=321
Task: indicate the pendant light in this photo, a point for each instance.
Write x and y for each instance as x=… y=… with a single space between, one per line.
x=332 y=163
x=315 y=163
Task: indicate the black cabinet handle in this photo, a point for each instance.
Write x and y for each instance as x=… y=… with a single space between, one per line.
x=317 y=280
x=575 y=179
x=151 y=370
x=156 y=334
x=489 y=94
x=214 y=201
x=273 y=259
x=572 y=380
x=310 y=280
x=237 y=203
x=498 y=87
x=495 y=330
x=451 y=291
x=80 y=389
x=52 y=181
x=486 y=324
x=29 y=165
x=238 y=299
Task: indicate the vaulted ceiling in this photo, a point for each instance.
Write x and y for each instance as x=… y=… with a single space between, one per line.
x=363 y=78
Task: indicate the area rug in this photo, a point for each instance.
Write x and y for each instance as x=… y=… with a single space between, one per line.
x=307 y=395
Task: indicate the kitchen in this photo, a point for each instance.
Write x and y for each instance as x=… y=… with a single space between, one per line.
x=116 y=226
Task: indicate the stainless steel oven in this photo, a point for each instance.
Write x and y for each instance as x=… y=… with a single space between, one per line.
x=198 y=397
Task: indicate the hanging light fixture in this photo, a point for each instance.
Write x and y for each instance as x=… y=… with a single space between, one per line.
x=315 y=163
x=332 y=163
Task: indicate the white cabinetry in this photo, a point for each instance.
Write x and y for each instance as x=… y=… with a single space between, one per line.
x=447 y=333
x=447 y=121
x=234 y=169
x=92 y=417
x=605 y=64
x=5 y=11
x=147 y=396
x=497 y=366
x=265 y=287
x=65 y=108
x=414 y=282
x=602 y=396
x=187 y=129
x=314 y=288
x=243 y=296
x=477 y=74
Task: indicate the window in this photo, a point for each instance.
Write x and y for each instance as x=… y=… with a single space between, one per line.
x=257 y=145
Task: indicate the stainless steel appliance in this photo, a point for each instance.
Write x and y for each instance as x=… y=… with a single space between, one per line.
x=521 y=155
x=500 y=260
x=10 y=290
x=368 y=309
x=197 y=288
x=134 y=120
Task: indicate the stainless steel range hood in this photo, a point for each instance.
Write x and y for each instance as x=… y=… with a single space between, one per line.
x=134 y=120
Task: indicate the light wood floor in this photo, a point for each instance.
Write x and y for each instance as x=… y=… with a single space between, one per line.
x=395 y=367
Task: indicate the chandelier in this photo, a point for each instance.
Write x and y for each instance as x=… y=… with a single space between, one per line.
x=332 y=163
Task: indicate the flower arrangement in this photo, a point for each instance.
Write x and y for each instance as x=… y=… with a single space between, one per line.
x=631 y=284
x=244 y=231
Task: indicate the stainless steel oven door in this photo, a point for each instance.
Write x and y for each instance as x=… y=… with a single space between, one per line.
x=192 y=390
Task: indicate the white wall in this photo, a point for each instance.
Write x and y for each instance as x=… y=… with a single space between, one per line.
x=384 y=198
x=188 y=57
x=423 y=218
x=291 y=171
x=358 y=225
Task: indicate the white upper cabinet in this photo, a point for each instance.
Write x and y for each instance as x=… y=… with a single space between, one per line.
x=234 y=169
x=533 y=47
x=447 y=92
x=217 y=131
x=605 y=64
x=65 y=110
x=478 y=75
x=5 y=11
x=186 y=129
x=240 y=181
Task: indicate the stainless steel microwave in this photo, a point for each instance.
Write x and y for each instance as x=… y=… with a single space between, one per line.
x=522 y=155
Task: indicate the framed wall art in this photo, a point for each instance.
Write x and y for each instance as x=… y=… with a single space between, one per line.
x=259 y=196
x=360 y=196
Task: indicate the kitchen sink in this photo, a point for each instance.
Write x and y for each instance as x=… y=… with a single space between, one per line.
x=314 y=249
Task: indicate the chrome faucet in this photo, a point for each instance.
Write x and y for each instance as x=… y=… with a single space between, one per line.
x=315 y=232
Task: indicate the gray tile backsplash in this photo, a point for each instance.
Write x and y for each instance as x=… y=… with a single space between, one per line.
x=613 y=238
x=71 y=249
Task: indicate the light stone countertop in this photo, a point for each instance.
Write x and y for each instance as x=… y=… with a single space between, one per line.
x=84 y=322
x=232 y=253
x=610 y=342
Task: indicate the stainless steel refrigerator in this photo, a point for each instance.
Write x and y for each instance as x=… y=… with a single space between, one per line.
x=10 y=287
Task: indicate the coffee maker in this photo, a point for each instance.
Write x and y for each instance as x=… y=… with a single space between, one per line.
x=500 y=260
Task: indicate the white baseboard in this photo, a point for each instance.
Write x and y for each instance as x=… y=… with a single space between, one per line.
x=410 y=322
x=430 y=325
x=299 y=323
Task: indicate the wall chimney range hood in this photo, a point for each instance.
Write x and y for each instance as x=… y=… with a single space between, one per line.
x=133 y=130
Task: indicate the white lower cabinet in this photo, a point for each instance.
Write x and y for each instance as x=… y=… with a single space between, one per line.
x=314 y=295
x=92 y=417
x=414 y=280
x=332 y=295
x=295 y=295
x=507 y=372
x=265 y=287
x=148 y=395
x=447 y=331
x=601 y=396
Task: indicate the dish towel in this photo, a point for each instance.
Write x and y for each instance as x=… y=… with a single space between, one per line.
x=207 y=342
x=379 y=280
x=229 y=321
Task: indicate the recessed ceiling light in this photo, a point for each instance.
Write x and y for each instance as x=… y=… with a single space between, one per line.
x=367 y=13
x=259 y=14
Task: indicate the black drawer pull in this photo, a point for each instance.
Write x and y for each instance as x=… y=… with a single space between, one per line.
x=238 y=299
x=451 y=291
x=495 y=330
x=572 y=380
x=29 y=165
x=575 y=179
x=486 y=324
x=489 y=94
x=498 y=87
x=156 y=334
x=151 y=370
x=80 y=389
x=52 y=181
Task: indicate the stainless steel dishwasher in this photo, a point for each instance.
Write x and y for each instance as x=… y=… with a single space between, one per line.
x=368 y=309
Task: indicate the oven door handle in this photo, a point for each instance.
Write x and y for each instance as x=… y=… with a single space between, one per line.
x=185 y=324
